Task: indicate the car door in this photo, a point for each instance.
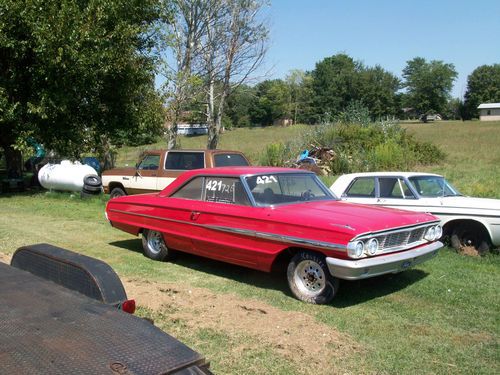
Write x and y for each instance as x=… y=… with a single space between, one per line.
x=144 y=180
x=221 y=218
x=361 y=190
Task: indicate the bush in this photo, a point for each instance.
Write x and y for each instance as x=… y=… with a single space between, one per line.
x=359 y=148
x=276 y=155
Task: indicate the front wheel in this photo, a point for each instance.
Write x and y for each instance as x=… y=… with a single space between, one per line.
x=310 y=280
x=117 y=192
x=154 y=245
x=465 y=237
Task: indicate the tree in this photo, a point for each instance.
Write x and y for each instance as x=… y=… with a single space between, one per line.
x=239 y=104
x=182 y=85
x=335 y=83
x=272 y=102
x=428 y=84
x=340 y=80
x=234 y=46
x=76 y=75
x=483 y=86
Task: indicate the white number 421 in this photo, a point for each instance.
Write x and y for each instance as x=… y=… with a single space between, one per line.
x=266 y=180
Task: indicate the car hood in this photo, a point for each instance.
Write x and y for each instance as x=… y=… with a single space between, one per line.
x=347 y=217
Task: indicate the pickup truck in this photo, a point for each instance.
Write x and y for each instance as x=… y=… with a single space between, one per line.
x=158 y=168
x=60 y=314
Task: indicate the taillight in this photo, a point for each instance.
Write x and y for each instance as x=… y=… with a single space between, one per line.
x=128 y=306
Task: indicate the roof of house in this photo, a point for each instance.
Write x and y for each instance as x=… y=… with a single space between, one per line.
x=488 y=105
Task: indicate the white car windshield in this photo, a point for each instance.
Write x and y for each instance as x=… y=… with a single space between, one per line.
x=433 y=186
x=278 y=188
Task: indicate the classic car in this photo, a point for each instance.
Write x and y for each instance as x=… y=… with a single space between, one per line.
x=266 y=218
x=467 y=221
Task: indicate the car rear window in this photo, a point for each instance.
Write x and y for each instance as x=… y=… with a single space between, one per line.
x=228 y=160
x=184 y=160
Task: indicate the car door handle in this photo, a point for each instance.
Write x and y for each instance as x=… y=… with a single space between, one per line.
x=125 y=178
x=194 y=215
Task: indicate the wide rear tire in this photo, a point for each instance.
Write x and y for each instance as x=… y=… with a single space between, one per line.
x=310 y=280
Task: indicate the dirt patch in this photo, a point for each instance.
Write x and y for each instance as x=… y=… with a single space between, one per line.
x=5 y=258
x=470 y=251
x=297 y=336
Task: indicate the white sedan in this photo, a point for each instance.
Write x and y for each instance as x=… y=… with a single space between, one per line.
x=467 y=221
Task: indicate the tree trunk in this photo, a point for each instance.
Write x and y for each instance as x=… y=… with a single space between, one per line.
x=14 y=161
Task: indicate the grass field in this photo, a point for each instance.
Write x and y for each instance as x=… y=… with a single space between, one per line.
x=439 y=318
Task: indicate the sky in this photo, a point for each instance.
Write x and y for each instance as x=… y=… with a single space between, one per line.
x=383 y=32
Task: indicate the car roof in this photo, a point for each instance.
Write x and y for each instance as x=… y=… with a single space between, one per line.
x=244 y=170
x=389 y=174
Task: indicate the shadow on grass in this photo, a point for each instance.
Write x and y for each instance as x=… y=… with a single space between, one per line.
x=350 y=292
x=133 y=244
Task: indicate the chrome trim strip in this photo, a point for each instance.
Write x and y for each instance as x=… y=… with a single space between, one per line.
x=396 y=230
x=250 y=233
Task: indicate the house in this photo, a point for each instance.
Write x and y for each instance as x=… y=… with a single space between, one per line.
x=489 y=112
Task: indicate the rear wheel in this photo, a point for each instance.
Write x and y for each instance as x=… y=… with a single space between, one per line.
x=117 y=192
x=154 y=245
x=466 y=237
x=310 y=280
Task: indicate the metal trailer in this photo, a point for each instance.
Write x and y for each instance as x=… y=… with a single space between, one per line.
x=59 y=315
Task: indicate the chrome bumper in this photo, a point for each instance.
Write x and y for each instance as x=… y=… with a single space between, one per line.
x=392 y=263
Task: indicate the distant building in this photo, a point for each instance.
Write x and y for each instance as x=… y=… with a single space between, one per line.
x=489 y=112
x=192 y=129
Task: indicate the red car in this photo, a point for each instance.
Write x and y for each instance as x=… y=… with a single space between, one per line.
x=258 y=217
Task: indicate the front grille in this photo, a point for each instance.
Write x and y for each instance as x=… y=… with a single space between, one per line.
x=401 y=239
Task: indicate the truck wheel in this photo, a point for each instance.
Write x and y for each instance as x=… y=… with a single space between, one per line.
x=154 y=245
x=310 y=280
x=469 y=236
x=117 y=192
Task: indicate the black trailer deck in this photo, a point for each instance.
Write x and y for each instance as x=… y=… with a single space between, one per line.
x=48 y=329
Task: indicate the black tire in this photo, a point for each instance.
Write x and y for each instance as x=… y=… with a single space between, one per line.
x=117 y=192
x=470 y=235
x=310 y=280
x=92 y=189
x=84 y=194
x=92 y=180
x=154 y=245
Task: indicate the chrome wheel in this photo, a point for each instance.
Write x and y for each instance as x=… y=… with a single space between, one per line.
x=310 y=278
x=155 y=242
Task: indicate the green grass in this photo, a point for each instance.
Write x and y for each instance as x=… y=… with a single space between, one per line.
x=439 y=318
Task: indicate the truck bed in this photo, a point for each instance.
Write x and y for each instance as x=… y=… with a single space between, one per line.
x=48 y=329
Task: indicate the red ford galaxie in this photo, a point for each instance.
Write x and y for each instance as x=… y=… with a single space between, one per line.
x=259 y=217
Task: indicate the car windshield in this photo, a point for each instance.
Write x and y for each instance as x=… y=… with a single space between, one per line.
x=433 y=186
x=278 y=188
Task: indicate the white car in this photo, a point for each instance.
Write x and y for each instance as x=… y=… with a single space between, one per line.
x=466 y=221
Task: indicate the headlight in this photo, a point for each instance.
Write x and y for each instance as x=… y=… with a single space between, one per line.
x=439 y=232
x=372 y=246
x=355 y=249
x=434 y=233
x=429 y=235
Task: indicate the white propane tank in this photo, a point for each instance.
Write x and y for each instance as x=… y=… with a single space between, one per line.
x=64 y=176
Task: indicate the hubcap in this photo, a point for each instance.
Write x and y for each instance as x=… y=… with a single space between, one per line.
x=155 y=242
x=309 y=277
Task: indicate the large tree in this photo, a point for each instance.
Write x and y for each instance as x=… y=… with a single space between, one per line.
x=428 y=84
x=340 y=80
x=483 y=86
x=76 y=75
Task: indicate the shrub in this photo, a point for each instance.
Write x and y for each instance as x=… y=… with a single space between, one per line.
x=359 y=148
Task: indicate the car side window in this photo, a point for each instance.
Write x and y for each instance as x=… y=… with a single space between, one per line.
x=185 y=161
x=362 y=187
x=394 y=187
x=150 y=163
x=191 y=190
x=225 y=190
